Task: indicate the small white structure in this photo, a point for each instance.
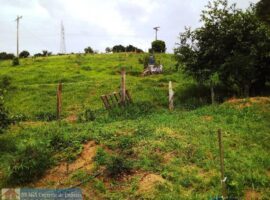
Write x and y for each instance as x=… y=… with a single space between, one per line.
x=152 y=68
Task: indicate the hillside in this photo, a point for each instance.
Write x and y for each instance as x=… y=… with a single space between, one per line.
x=141 y=152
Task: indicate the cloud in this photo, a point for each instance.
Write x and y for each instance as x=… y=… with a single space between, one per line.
x=96 y=23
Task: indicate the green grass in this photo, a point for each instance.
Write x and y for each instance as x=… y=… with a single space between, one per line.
x=179 y=146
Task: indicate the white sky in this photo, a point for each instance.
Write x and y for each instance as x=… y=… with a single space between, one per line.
x=96 y=23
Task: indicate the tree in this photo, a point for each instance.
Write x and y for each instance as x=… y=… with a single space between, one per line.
x=88 y=50
x=6 y=56
x=38 y=55
x=108 y=50
x=263 y=10
x=131 y=48
x=24 y=54
x=118 y=48
x=158 y=46
x=232 y=45
x=46 y=53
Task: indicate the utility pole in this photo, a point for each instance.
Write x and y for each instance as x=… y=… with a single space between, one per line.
x=156 y=29
x=18 y=20
x=62 y=38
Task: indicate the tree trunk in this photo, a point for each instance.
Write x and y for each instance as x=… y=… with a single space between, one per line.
x=212 y=94
x=246 y=90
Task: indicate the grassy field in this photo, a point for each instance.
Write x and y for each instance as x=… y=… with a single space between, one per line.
x=141 y=152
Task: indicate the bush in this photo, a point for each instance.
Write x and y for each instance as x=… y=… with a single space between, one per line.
x=30 y=164
x=38 y=55
x=118 y=165
x=87 y=115
x=45 y=116
x=158 y=46
x=88 y=50
x=118 y=48
x=15 y=61
x=131 y=111
x=144 y=60
x=5 y=82
x=6 y=56
x=24 y=54
x=101 y=157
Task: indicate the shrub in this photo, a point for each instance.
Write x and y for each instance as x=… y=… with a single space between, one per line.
x=88 y=50
x=5 y=82
x=118 y=165
x=126 y=142
x=131 y=111
x=38 y=55
x=30 y=164
x=118 y=48
x=101 y=157
x=24 y=54
x=158 y=46
x=45 y=116
x=15 y=61
x=87 y=115
x=144 y=61
x=6 y=56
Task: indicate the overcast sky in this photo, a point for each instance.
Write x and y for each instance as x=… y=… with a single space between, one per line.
x=96 y=23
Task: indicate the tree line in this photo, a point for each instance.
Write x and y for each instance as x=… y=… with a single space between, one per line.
x=230 y=50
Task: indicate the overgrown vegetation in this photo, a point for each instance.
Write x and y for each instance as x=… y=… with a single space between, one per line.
x=142 y=150
x=230 y=49
x=180 y=146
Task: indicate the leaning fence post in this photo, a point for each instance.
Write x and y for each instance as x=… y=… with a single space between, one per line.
x=59 y=101
x=123 y=86
x=221 y=155
x=171 y=93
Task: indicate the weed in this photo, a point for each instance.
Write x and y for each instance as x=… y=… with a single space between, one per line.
x=87 y=115
x=30 y=164
x=118 y=165
x=45 y=116
x=101 y=157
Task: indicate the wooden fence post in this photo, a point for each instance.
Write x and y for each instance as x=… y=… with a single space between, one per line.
x=123 y=86
x=221 y=155
x=171 y=94
x=59 y=101
x=105 y=102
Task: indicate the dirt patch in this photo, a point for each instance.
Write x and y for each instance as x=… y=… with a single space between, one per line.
x=148 y=183
x=243 y=103
x=168 y=157
x=59 y=175
x=260 y=100
x=252 y=195
x=72 y=118
x=170 y=132
x=33 y=123
x=207 y=118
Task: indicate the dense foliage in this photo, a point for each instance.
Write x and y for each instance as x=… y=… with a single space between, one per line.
x=118 y=48
x=88 y=50
x=24 y=54
x=263 y=10
x=158 y=46
x=231 y=48
x=6 y=56
x=130 y=48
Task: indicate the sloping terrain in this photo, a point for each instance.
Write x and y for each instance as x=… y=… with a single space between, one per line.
x=142 y=151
